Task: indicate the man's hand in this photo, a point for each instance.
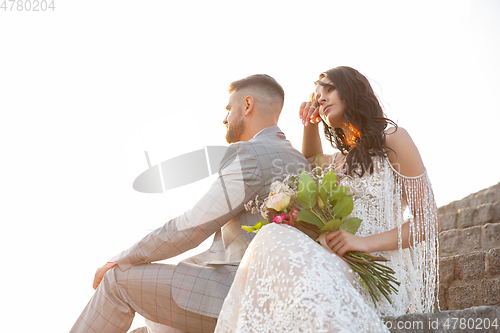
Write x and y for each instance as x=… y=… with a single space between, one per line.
x=99 y=274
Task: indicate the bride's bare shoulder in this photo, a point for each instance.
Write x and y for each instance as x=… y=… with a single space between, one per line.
x=403 y=152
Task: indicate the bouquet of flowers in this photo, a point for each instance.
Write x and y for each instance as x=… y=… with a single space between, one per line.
x=314 y=204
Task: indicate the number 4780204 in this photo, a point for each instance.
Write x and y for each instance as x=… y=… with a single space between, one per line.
x=27 y=5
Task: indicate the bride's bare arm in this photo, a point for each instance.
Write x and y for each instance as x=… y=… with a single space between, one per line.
x=403 y=153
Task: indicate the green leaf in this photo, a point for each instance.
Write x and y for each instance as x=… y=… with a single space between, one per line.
x=248 y=228
x=351 y=225
x=327 y=185
x=308 y=191
x=260 y=224
x=309 y=217
x=255 y=228
x=329 y=180
x=338 y=192
x=322 y=192
x=343 y=207
x=333 y=225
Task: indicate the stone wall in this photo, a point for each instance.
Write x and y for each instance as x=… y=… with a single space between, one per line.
x=469 y=249
x=472 y=238
x=471 y=279
x=470 y=224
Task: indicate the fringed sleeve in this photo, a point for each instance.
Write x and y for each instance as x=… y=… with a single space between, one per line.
x=422 y=218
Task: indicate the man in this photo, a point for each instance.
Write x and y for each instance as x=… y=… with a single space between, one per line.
x=188 y=297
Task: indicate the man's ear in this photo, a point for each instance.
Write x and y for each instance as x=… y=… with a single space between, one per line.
x=249 y=105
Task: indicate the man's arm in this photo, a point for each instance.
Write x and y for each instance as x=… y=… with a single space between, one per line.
x=239 y=181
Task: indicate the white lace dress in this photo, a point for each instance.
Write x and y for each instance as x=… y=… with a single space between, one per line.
x=287 y=282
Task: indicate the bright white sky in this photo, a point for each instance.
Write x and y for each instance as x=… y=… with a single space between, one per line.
x=84 y=90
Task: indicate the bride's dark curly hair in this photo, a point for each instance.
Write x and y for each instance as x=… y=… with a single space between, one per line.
x=365 y=121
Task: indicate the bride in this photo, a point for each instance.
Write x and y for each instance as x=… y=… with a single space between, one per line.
x=287 y=282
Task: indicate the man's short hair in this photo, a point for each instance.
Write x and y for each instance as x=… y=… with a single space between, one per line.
x=263 y=83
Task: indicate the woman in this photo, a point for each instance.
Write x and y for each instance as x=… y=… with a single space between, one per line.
x=288 y=282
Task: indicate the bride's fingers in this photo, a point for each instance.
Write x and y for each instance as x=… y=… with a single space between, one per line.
x=309 y=113
x=338 y=245
x=301 y=109
x=304 y=108
x=315 y=118
x=341 y=251
x=333 y=241
x=342 y=247
x=331 y=235
x=304 y=112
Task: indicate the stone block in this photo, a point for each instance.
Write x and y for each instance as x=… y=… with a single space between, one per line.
x=483 y=215
x=442 y=210
x=490 y=292
x=461 y=297
x=449 y=208
x=490 y=196
x=442 y=299
x=492 y=262
x=462 y=204
x=496 y=197
x=475 y=201
x=446 y=271
x=491 y=236
x=470 y=266
x=471 y=239
x=495 y=212
x=465 y=218
x=447 y=221
x=450 y=242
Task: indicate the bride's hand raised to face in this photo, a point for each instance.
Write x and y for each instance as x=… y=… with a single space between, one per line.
x=309 y=113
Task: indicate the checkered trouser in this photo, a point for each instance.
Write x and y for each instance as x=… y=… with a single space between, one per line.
x=145 y=289
x=152 y=327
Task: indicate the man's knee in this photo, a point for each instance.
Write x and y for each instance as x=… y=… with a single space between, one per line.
x=112 y=279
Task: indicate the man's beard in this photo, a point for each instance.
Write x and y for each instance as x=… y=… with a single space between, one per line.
x=235 y=131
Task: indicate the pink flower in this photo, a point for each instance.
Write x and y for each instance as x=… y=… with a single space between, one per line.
x=293 y=216
x=278 y=218
x=282 y=218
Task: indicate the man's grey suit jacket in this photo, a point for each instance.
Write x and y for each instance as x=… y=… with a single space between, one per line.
x=201 y=283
